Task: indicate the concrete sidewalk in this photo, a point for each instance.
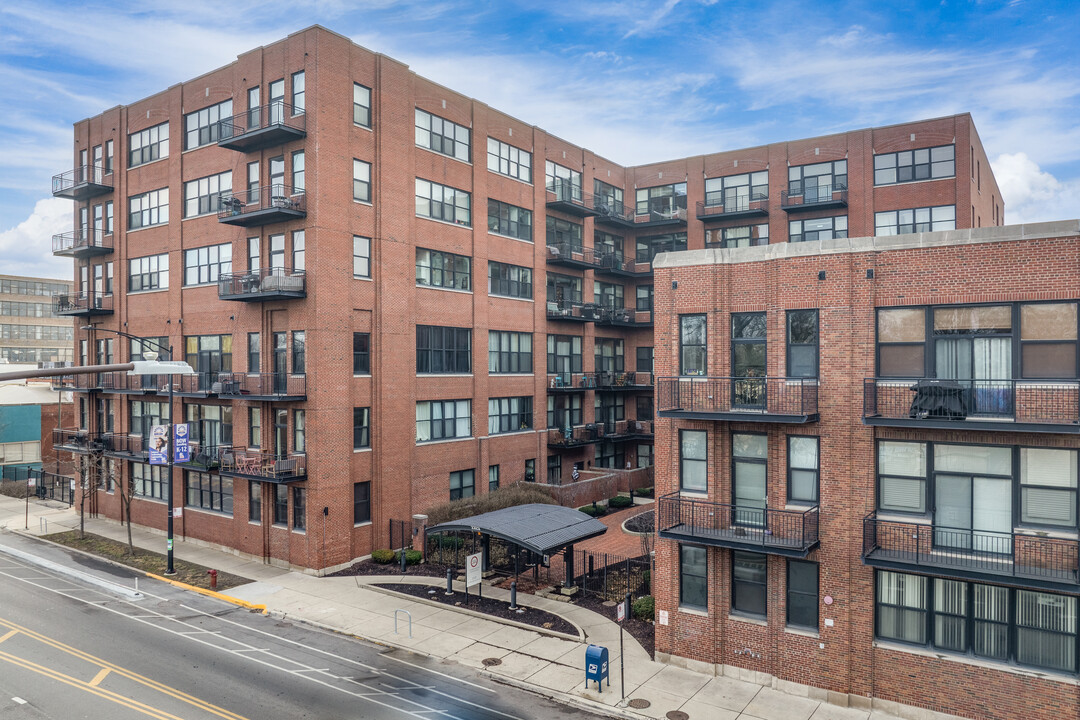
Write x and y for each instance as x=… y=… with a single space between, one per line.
x=534 y=659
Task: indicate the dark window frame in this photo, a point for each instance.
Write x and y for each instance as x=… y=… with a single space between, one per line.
x=885 y=162
x=443 y=350
x=361 y=428
x=684 y=367
x=512 y=360
x=501 y=281
x=816 y=344
x=683 y=460
x=700 y=580
x=804 y=593
x=362 y=502
x=510 y=220
x=736 y=581
x=361 y=353
x=816 y=470
x=463 y=489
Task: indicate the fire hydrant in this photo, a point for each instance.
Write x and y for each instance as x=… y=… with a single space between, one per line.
x=213 y=578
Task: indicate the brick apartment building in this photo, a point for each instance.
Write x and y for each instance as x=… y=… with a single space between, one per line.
x=867 y=465
x=30 y=329
x=326 y=267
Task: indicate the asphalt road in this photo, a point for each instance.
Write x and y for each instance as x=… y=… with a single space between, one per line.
x=70 y=650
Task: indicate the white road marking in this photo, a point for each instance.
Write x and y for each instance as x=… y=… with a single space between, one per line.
x=18 y=700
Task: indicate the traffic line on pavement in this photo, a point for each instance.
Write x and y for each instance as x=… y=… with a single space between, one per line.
x=8 y=634
x=102 y=674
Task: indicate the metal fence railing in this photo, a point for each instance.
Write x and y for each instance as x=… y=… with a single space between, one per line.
x=936 y=399
x=771 y=395
x=738 y=524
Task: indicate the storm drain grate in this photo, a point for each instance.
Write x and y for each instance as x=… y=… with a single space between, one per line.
x=488 y=662
x=639 y=703
x=677 y=715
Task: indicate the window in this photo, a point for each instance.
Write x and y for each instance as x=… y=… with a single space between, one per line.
x=901 y=477
x=253 y=254
x=277 y=102
x=254 y=351
x=209 y=492
x=510 y=414
x=361 y=512
x=563 y=289
x=254 y=501
x=644 y=455
x=609 y=355
x=443 y=269
x=361 y=355
x=205 y=265
x=211 y=425
x=564 y=411
x=148 y=480
x=442 y=136
x=748 y=356
x=208 y=355
x=148 y=145
x=817 y=229
x=148 y=273
x=299 y=508
x=802 y=343
x=298 y=165
x=915 y=220
x=913 y=165
x=530 y=470
x=462 y=484
x=1048 y=487
x=1048 y=340
x=443 y=420
x=565 y=234
x=109 y=156
x=361 y=180
x=149 y=208
x=563 y=354
x=901 y=342
x=817 y=182
x=109 y=218
x=692 y=348
x=748 y=580
x=608 y=197
x=662 y=202
x=281 y=504
x=300 y=431
x=693 y=461
x=644 y=360
x=493 y=478
x=443 y=350
x=610 y=455
x=509 y=160
x=510 y=220
x=609 y=247
x=554 y=470
x=647 y=248
x=26 y=452
x=609 y=295
x=441 y=202
x=361 y=105
x=299 y=250
x=299 y=352
x=736 y=192
x=361 y=428
x=509 y=352
x=298 y=93
x=509 y=280
x=750 y=453
x=803 y=468
x=802 y=594
x=564 y=182
x=361 y=257
x=203 y=127
x=254 y=427
x=644 y=299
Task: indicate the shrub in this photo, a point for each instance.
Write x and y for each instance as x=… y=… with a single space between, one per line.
x=412 y=557
x=504 y=497
x=619 y=501
x=644 y=492
x=383 y=557
x=644 y=608
x=450 y=542
x=596 y=511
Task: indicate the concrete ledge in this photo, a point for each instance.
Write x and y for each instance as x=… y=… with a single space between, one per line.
x=564 y=698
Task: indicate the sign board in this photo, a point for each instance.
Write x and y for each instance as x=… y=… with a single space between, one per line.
x=159 y=445
x=663 y=617
x=178 y=512
x=181 y=451
x=472 y=569
x=620 y=612
x=31 y=482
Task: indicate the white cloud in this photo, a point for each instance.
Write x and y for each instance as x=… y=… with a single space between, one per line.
x=26 y=249
x=1033 y=195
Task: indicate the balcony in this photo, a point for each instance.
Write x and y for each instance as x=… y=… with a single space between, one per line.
x=625 y=381
x=625 y=430
x=82 y=244
x=625 y=317
x=271 y=387
x=87 y=382
x=77 y=440
x=262 y=206
x=83 y=304
x=262 y=285
x=793 y=533
x=204 y=457
x=262 y=466
x=612 y=213
x=128 y=446
x=573 y=311
x=741 y=207
x=813 y=197
x=662 y=215
x=568 y=198
x=122 y=383
x=274 y=124
x=613 y=264
x=570 y=256
x=82 y=183
x=740 y=399
x=1030 y=560
x=575 y=437
x=1041 y=406
x=570 y=382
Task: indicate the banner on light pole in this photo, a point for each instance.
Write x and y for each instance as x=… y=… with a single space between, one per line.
x=159 y=445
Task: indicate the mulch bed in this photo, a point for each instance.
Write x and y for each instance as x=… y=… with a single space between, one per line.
x=642 y=631
x=488 y=606
x=370 y=567
x=642 y=523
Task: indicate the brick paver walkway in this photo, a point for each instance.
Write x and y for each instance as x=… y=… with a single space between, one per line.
x=615 y=540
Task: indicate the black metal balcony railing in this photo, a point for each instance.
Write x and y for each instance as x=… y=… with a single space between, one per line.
x=611 y=380
x=82 y=183
x=53 y=486
x=263 y=386
x=126 y=445
x=264 y=466
x=1009 y=405
x=661 y=212
x=813 y=197
x=1032 y=559
x=573 y=437
x=82 y=304
x=262 y=205
x=262 y=126
x=204 y=456
x=82 y=243
x=77 y=440
x=611 y=212
x=262 y=284
x=569 y=310
x=616 y=264
x=720 y=209
x=763 y=399
x=566 y=197
x=570 y=382
x=80 y=383
x=564 y=253
x=625 y=317
x=121 y=382
x=783 y=532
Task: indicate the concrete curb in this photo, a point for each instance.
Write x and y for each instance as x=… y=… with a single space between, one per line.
x=208 y=593
x=564 y=698
x=71 y=572
x=490 y=618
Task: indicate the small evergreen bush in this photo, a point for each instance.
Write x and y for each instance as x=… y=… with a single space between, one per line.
x=383 y=557
x=644 y=608
x=620 y=501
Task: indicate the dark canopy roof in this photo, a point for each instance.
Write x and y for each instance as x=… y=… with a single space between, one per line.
x=544 y=529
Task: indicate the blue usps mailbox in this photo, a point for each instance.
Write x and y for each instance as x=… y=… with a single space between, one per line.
x=596 y=666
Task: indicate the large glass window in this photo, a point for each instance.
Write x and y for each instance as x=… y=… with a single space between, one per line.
x=803 y=468
x=647 y=248
x=205 y=265
x=750 y=456
x=663 y=202
x=510 y=414
x=509 y=160
x=509 y=352
x=802 y=594
x=694 y=461
x=148 y=481
x=298 y=93
x=203 y=127
x=149 y=208
x=748 y=582
x=609 y=355
x=802 y=343
x=209 y=492
x=741 y=236
x=902 y=476
x=203 y=196
x=442 y=269
x=1048 y=340
x=564 y=182
x=693 y=577
x=913 y=165
x=563 y=354
x=736 y=192
x=563 y=411
x=609 y=199
x=564 y=235
x=915 y=220
x=692 y=345
x=510 y=220
x=901 y=336
x=509 y=280
x=254 y=501
x=644 y=299
x=901 y=607
x=817 y=229
x=148 y=273
x=443 y=419
x=609 y=295
x=462 y=484
x=442 y=136
x=441 y=202
x=816 y=182
x=148 y=145
x=748 y=347
x=443 y=350
x=563 y=289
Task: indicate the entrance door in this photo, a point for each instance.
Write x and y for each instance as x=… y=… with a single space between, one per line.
x=973 y=513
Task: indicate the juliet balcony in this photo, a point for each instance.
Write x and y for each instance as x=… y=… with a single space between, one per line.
x=263 y=126
x=82 y=244
x=742 y=399
x=261 y=466
x=82 y=183
x=793 y=533
x=263 y=285
x=262 y=206
x=798 y=198
x=566 y=197
x=1041 y=406
x=1031 y=559
x=716 y=209
x=279 y=387
x=82 y=304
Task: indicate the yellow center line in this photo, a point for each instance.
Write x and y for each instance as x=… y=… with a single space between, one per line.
x=99 y=677
x=8 y=634
x=105 y=665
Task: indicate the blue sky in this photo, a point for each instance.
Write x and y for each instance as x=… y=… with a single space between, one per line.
x=634 y=81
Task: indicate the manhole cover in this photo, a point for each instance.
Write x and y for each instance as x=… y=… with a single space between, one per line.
x=677 y=715
x=488 y=662
x=639 y=703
